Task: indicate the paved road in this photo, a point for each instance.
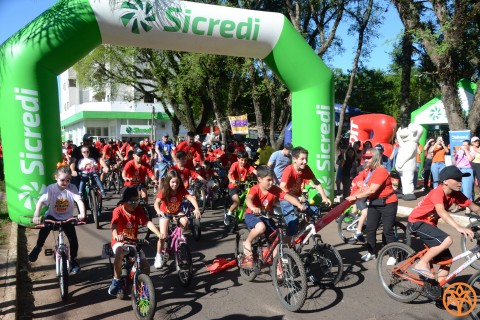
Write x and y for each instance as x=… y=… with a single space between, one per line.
x=218 y=296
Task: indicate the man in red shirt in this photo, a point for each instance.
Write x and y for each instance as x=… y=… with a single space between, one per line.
x=125 y=148
x=292 y=178
x=191 y=148
x=135 y=172
x=423 y=220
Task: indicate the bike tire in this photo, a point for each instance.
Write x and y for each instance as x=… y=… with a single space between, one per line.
x=248 y=274
x=118 y=182
x=94 y=207
x=291 y=288
x=474 y=282
x=143 y=297
x=183 y=261
x=201 y=198
x=196 y=229
x=323 y=264
x=467 y=245
x=63 y=276
x=398 y=288
x=345 y=220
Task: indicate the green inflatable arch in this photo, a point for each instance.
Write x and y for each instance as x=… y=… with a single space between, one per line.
x=31 y=60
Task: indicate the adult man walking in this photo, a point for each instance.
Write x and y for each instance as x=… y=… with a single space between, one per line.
x=279 y=160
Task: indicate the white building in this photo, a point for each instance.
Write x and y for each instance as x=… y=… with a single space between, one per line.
x=81 y=112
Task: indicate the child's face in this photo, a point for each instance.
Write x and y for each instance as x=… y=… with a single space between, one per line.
x=85 y=153
x=242 y=162
x=63 y=180
x=174 y=183
x=181 y=162
x=301 y=161
x=266 y=182
x=453 y=184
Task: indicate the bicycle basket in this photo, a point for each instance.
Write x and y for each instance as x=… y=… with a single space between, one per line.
x=107 y=251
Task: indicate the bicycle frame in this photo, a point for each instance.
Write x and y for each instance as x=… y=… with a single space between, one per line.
x=176 y=238
x=60 y=247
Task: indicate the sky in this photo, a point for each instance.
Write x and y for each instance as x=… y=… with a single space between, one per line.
x=15 y=14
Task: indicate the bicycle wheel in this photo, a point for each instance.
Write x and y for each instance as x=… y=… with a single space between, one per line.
x=347 y=226
x=183 y=260
x=467 y=245
x=94 y=207
x=248 y=274
x=397 y=287
x=118 y=182
x=474 y=281
x=323 y=264
x=201 y=198
x=63 y=275
x=289 y=279
x=196 y=229
x=143 y=297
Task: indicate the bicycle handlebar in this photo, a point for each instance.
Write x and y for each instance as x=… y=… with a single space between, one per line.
x=52 y=223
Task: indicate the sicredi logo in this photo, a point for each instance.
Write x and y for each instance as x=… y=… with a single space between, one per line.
x=186 y=22
x=323 y=160
x=460 y=137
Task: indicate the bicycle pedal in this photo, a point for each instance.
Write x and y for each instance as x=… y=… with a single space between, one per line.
x=48 y=252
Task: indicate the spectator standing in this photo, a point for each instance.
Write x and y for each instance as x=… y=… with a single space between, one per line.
x=279 y=160
x=475 y=141
x=427 y=165
x=348 y=171
x=462 y=160
x=439 y=150
x=264 y=152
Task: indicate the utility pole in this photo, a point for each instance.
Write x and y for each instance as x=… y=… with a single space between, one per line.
x=153 y=135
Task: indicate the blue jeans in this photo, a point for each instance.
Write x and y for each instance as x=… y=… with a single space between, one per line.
x=291 y=218
x=436 y=168
x=467 y=183
x=163 y=168
x=85 y=179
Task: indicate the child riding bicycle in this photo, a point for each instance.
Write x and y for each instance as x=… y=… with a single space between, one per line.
x=126 y=219
x=168 y=202
x=424 y=219
x=238 y=173
x=59 y=198
x=262 y=196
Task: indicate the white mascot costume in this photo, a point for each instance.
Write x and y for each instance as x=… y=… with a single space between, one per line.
x=406 y=161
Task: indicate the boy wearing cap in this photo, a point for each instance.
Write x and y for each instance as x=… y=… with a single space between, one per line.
x=135 y=171
x=424 y=219
x=279 y=160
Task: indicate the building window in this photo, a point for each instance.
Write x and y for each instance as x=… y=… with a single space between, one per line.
x=148 y=98
x=72 y=83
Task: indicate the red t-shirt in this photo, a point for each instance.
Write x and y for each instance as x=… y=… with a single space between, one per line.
x=379 y=176
x=425 y=210
x=264 y=201
x=218 y=153
x=172 y=205
x=294 y=179
x=227 y=162
x=108 y=152
x=185 y=174
x=137 y=174
x=191 y=151
x=125 y=148
x=128 y=226
x=238 y=173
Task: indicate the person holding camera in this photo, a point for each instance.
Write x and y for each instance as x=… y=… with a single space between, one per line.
x=439 y=150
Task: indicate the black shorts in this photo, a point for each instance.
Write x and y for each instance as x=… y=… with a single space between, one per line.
x=431 y=236
x=233 y=191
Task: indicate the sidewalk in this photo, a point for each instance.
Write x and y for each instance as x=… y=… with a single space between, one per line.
x=8 y=272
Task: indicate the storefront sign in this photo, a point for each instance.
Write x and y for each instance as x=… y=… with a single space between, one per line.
x=126 y=130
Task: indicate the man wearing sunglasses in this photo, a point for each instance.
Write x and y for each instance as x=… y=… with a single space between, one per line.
x=424 y=219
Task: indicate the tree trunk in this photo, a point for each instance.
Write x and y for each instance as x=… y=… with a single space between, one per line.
x=406 y=61
x=255 y=100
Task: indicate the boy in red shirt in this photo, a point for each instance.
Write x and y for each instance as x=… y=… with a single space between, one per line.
x=238 y=173
x=424 y=219
x=262 y=197
x=184 y=172
x=125 y=221
x=135 y=172
x=292 y=178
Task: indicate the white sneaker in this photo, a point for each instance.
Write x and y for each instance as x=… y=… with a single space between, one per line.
x=368 y=257
x=391 y=261
x=158 y=261
x=226 y=219
x=467 y=210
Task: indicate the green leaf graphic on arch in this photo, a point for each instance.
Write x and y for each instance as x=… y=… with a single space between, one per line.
x=435 y=113
x=140 y=13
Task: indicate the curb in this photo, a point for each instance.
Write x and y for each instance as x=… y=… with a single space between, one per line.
x=9 y=285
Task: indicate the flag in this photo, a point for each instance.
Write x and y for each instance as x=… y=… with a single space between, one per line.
x=239 y=124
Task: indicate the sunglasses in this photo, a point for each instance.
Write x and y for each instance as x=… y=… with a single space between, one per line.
x=133 y=202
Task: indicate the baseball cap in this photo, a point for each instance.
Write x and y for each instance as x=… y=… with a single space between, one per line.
x=288 y=146
x=475 y=139
x=379 y=147
x=87 y=136
x=138 y=152
x=368 y=153
x=452 y=172
x=165 y=134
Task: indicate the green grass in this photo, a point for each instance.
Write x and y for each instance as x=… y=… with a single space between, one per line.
x=4 y=220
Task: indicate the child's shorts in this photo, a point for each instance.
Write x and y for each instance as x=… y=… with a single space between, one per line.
x=431 y=236
x=251 y=221
x=233 y=191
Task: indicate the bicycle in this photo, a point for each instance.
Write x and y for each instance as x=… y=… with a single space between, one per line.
x=176 y=246
x=239 y=213
x=194 y=223
x=113 y=179
x=197 y=189
x=92 y=198
x=133 y=280
x=61 y=251
x=348 y=223
x=291 y=283
x=405 y=285
x=474 y=222
x=323 y=263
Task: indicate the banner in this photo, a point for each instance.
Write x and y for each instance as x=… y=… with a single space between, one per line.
x=239 y=124
x=456 y=139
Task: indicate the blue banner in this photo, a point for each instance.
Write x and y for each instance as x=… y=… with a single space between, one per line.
x=456 y=139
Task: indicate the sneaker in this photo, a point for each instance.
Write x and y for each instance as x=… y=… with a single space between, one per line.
x=227 y=218
x=391 y=261
x=158 y=261
x=33 y=256
x=359 y=236
x=113 y=289
x=368 y=257
x=467 y=210
x=352 y=240
x=74 y=267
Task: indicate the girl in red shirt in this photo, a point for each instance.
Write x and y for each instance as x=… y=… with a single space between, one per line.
x=168 y=202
